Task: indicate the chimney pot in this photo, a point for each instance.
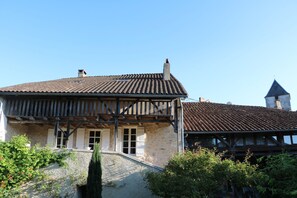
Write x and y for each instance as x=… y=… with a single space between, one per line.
x=82 y=73
x=166 y=70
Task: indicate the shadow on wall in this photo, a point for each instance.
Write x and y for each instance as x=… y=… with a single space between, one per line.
x=131 y=186
x=82 y=191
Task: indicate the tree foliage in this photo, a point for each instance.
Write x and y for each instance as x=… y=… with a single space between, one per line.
x=200 y=174
x=20 y=163
x=94 y=181
x=279 y=176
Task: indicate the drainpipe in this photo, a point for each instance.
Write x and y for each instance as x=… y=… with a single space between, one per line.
x=182 y=127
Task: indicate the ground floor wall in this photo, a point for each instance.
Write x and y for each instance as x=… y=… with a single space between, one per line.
x=13 y=130
x=161 y=145
x=154 y=143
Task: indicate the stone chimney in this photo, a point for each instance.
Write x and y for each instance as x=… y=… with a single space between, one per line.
x=82 y=73
x=166 y=70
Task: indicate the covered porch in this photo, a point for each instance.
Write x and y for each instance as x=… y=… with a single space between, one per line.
x=149 y=129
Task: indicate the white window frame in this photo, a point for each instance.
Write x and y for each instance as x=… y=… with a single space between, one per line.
x=130 y=141
x=61 y=145
x=89 y=133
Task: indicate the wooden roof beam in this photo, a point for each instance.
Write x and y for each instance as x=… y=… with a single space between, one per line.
x=19 y=118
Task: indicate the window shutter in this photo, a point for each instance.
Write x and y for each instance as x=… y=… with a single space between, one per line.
x=140 y=138
x=70 y=141
x=80 y=138
x=51 y=139
x=119 y=141
x=105 y=139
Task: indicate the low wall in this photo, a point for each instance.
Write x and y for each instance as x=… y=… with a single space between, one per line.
x=123 y=176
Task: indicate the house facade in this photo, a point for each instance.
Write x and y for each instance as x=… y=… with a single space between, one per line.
x=135 y=114
x=237 y=129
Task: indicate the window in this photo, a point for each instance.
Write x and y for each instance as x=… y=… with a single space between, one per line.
x=249 y=140
x=261 y=140
x=239 y=141
x=271 y=140
x=129 y=141
x=61 y=140
x=290 y=139
x=94 y=137
x=219 y=143
x=294 y=137
x=287 y=139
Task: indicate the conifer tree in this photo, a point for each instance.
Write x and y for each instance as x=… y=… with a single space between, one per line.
x=94 y=181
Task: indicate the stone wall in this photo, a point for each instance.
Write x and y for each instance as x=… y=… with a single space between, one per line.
x=123 y=176
x=37 y=134
x=15 y=129
x=160 y=144
x=284 y=100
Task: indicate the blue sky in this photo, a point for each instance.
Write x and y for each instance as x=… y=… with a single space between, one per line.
x=220 y=50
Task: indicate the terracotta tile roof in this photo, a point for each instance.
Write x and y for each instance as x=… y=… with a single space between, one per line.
x=130 y=84
x=213 y=117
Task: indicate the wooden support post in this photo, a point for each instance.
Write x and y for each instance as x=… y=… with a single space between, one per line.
x=116 y=124
x=56 y=126
x=175 y=117
x=116 y=128
x=19 y=118
x=75 y=128
x=223 y=141
x=67 y=133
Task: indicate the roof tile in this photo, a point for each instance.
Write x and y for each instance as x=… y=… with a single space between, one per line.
x=135 y=84
x=214 y=117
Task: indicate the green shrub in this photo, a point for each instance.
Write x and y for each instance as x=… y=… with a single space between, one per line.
x=94 y=181
x=200 y=174
x=279 y=176
x=19 y=163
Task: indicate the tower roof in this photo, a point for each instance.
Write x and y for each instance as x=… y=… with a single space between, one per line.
x=276 y=90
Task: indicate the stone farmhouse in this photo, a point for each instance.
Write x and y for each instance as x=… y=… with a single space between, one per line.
x=136 y=114
x=140 y=122
x=142 y=115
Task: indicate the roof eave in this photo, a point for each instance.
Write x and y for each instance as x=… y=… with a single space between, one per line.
x=95 y=95
x=267 y=96
x=232 y=132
